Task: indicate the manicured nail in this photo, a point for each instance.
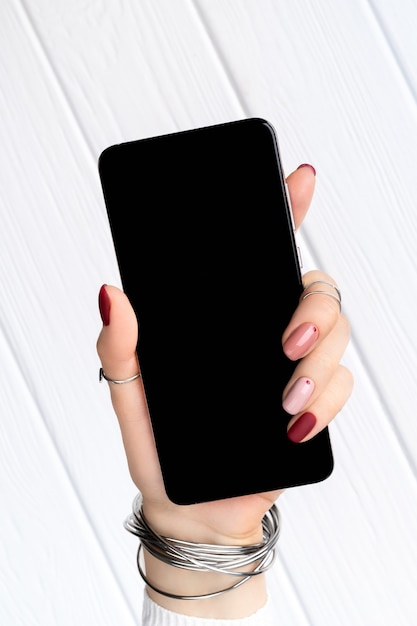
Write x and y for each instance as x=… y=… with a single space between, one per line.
x=302 y=427
x=301 y=340
x=307 y=165
x=298 y=395
x=104 y=305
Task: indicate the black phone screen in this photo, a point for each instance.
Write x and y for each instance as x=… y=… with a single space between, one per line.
x=205 y=245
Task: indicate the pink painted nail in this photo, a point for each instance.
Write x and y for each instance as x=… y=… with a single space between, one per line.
x=302 y=427
x=301 y=340
x=104 y=305
x=307 y=165
x=298 y=395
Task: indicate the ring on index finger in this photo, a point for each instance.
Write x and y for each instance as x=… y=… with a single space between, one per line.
x=335 y=294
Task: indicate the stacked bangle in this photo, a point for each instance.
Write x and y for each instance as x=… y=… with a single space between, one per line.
x=202 y=557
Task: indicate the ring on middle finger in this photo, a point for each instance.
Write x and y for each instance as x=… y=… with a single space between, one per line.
x=335 y=294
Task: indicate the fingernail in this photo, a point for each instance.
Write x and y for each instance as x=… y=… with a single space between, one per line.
x=307 y=165
x=104 y=305
x=301 y=340
x=302 y=427
x=298 y=395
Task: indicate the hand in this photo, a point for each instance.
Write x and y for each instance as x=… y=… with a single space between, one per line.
x=317 y=333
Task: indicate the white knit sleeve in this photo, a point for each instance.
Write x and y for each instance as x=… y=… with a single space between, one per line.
x=155 y=615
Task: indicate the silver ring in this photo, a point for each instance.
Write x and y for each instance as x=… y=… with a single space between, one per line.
x=336 y=296
x=116 y=382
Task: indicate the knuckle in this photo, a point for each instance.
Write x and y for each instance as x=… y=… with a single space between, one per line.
x=347 y=378
x=323 y=362
x=99 y=347
x=338 y=390
x=344 y=326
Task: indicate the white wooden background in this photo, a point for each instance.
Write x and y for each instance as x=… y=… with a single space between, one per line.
x=339 y=82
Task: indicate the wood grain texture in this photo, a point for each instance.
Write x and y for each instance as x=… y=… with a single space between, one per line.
x=339 y=83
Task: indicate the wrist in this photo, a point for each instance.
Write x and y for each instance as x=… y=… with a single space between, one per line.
x=220 y=580
x=240 y=602
x=236 y=521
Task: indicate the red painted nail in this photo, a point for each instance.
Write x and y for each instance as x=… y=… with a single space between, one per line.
x=104 y=305
x=302 y=427
x=307 y=165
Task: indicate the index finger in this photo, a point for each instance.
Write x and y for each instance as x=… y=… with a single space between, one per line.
x=301 y=185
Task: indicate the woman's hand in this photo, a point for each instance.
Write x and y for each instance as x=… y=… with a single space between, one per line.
x=317 y=334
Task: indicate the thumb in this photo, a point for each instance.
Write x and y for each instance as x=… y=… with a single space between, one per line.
x=116 y=344
x=116 y=347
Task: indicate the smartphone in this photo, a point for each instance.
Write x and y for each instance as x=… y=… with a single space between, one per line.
x=204 y=239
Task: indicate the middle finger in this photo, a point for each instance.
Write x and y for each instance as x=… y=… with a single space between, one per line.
x=315 y=316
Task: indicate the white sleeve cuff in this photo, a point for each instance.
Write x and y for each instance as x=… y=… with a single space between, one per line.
x=155 y=615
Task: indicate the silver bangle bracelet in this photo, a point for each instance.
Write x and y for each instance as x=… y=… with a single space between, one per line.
x=205 y=557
